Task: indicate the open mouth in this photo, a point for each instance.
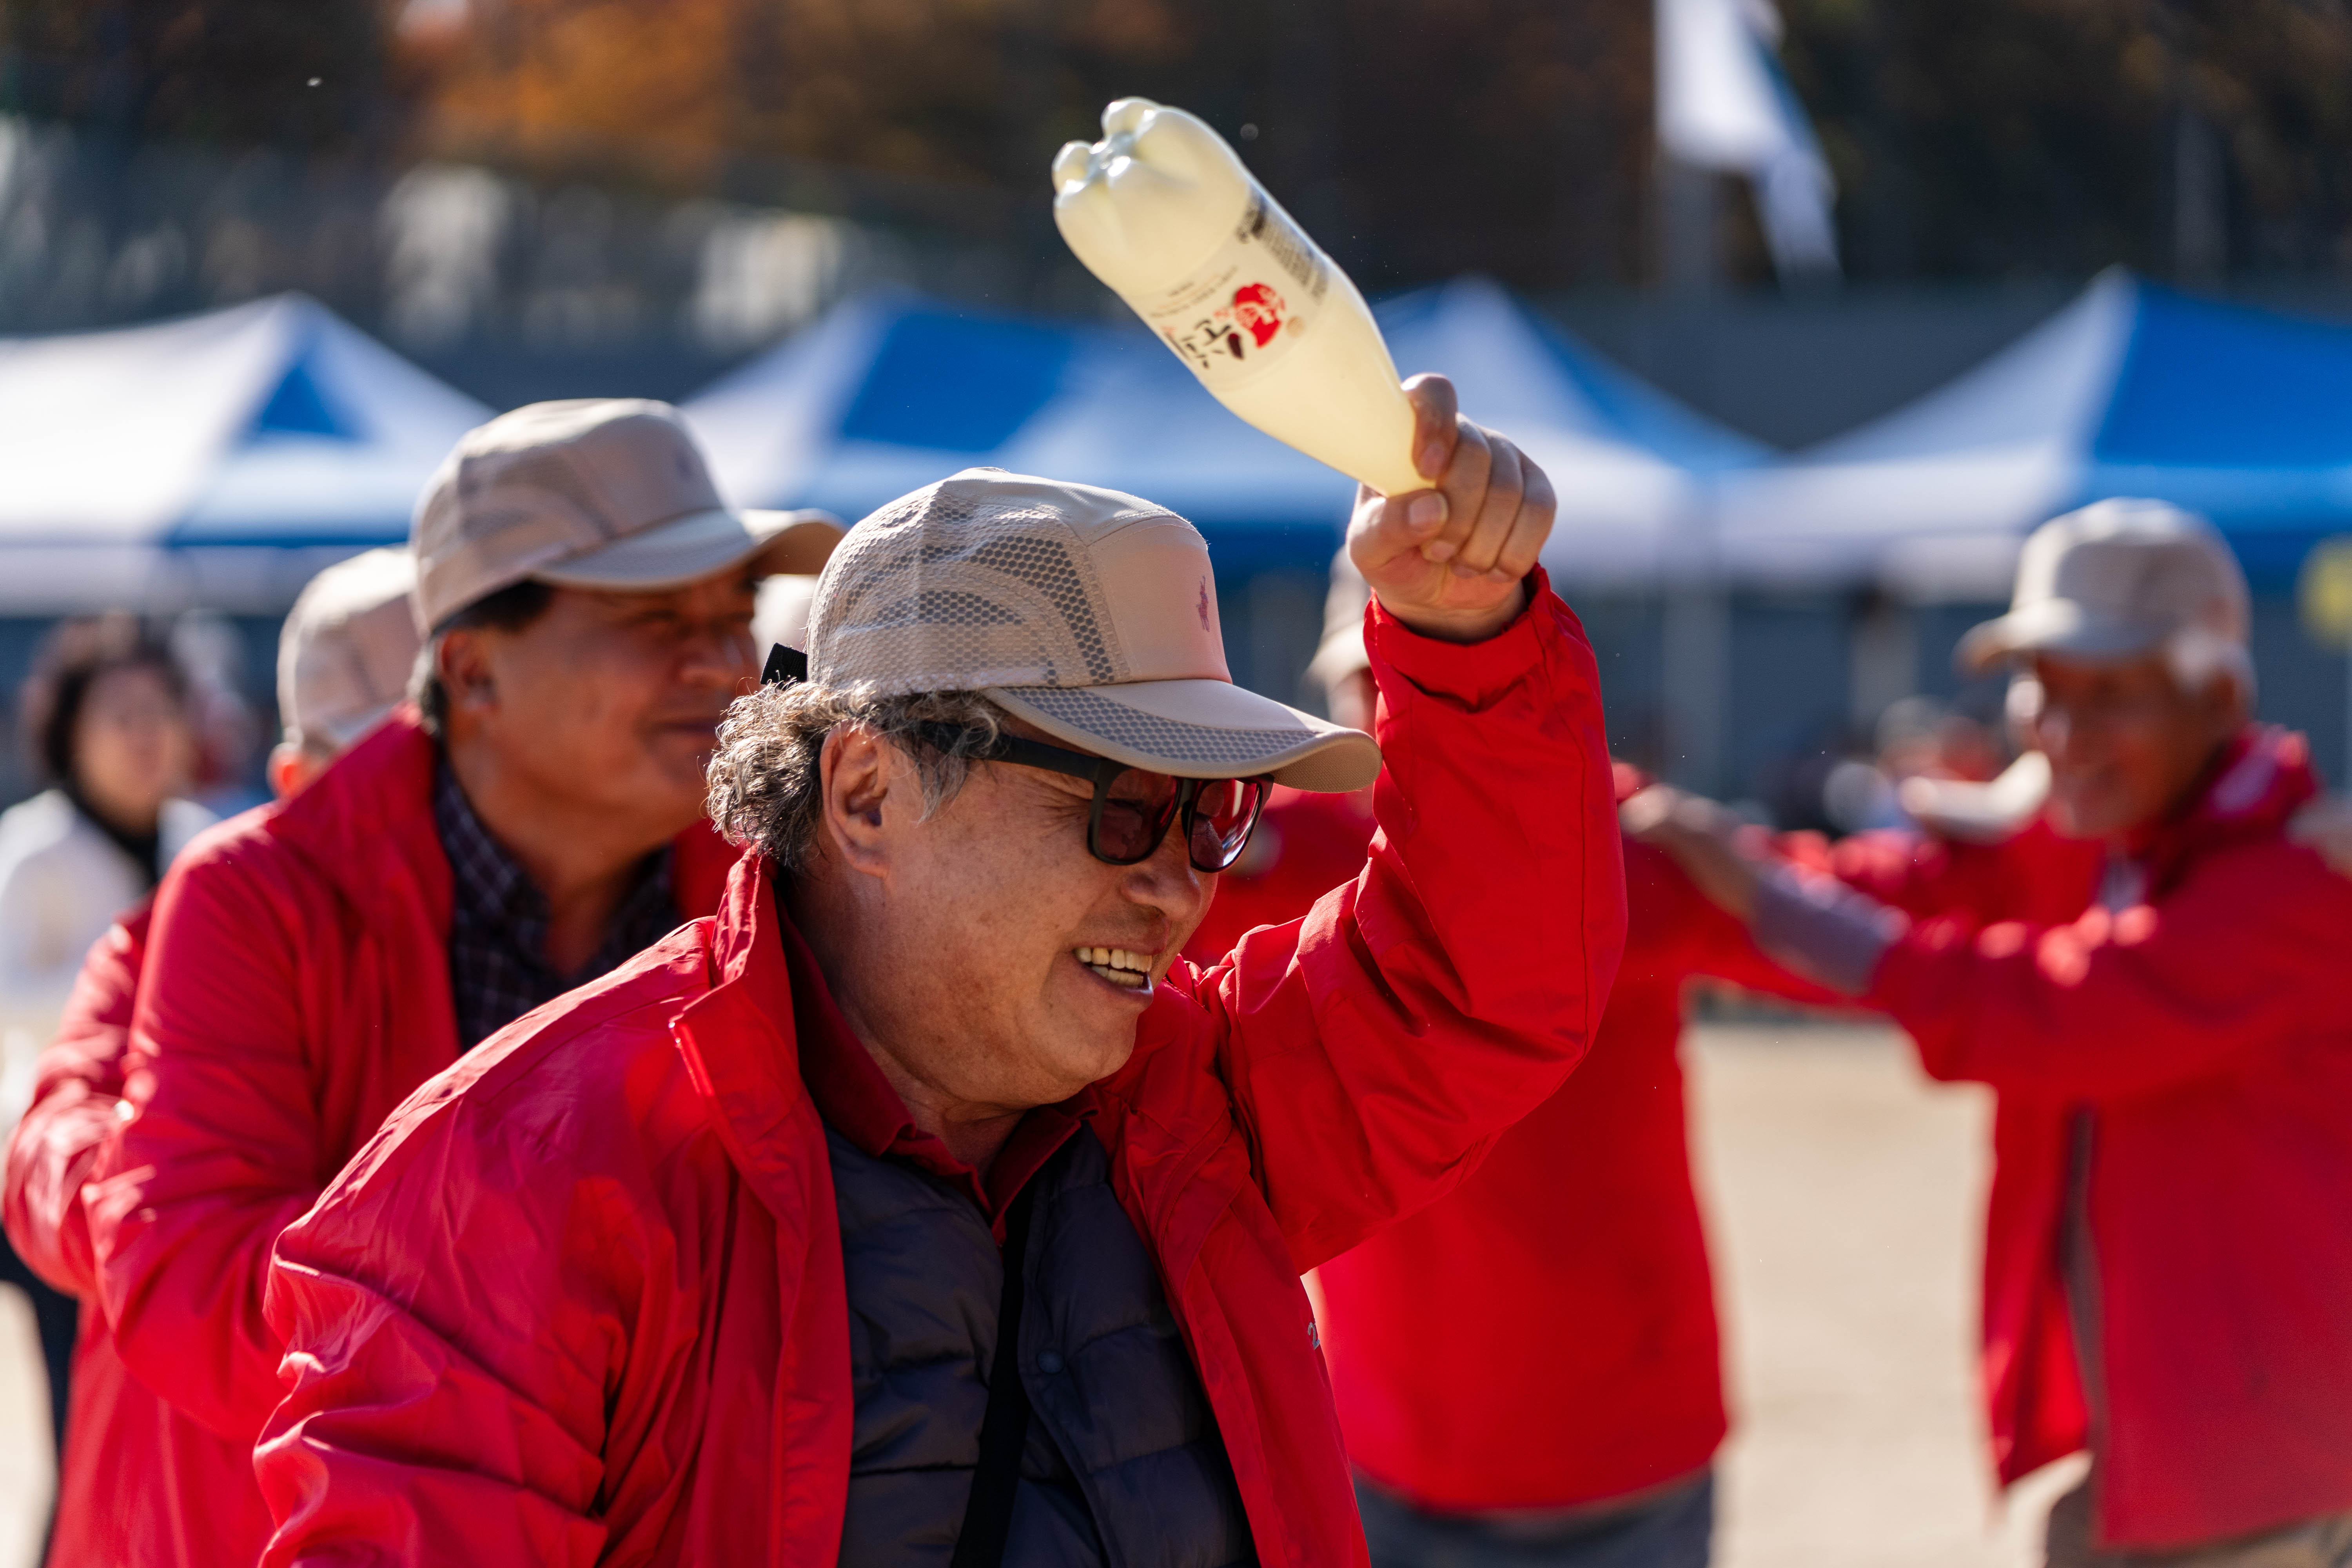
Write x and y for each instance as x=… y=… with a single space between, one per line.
x=1130 y=971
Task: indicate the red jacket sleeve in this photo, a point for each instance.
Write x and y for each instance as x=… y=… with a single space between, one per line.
x=1375 y=1049
x=76 y=1098
x=2245 y=954
x=1678 y=931
x=220 y=1155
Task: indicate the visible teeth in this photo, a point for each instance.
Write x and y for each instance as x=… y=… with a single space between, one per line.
x=1116 y=962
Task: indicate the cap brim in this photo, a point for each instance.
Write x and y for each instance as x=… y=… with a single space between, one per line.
x=2053 y=626
x=1980 y=813
x=695 y=546
x=1199 y=728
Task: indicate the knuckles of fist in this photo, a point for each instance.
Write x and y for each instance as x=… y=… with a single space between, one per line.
x=1454 y=557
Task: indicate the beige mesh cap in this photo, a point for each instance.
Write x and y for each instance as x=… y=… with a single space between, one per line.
x=347 y=649
x=591 y=493
x=1090 y=614
x=2115 y=579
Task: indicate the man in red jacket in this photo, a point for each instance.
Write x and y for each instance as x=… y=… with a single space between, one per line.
x=2171 y=1033
x=926 y=1202
x=311 y=963
x=1588 y=1439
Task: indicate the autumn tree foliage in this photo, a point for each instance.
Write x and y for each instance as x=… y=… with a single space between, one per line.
x=1970 y=138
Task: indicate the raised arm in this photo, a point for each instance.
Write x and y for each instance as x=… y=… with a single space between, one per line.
x=77 y=1102
x=2112 y=1003
x=1374 y=1049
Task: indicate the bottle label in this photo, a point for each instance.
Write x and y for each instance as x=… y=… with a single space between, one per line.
x=1243 y=308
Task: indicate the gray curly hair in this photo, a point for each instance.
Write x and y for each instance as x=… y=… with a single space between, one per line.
x=765 y=782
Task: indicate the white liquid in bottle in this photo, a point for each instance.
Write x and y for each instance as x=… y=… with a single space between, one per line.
x=1162 y=212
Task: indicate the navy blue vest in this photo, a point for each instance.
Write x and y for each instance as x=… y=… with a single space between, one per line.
x=1124 y=1464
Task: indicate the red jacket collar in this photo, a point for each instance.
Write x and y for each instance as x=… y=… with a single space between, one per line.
x=2259 y=780
x=370 y=818
x=743 y=1052
x=768 y=1035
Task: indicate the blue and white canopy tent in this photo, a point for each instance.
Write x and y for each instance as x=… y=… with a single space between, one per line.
x=2134 y=390
x=891 y=392
x=218 y=460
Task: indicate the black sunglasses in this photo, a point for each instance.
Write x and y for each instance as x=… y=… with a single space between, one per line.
x=1134 y=806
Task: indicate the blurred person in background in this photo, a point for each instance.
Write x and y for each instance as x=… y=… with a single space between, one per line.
x=2152 y=978
x=1917 y=738
x=106 y=712
x=344 y=660
x=781 y=614
x=227 y=729
x=1306 y=844
x=1527 y=1372
x=533 y=819
x=345 y=655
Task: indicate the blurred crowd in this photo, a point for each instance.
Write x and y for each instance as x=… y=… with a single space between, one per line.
x=395 y=1177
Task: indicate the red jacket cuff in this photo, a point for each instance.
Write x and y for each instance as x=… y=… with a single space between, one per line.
x=1472 y=673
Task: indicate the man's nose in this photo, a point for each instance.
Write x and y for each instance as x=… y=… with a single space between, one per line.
x=1166 y=881
x=719 y=652
x=2054 y=729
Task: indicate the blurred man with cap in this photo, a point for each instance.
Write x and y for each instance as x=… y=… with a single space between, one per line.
x=535 y=819
x=2167 y=1024
x=925 y=1206
x=1307 y=842
x=344 y=660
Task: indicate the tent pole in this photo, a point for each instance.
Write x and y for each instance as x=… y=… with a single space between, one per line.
x=1695 y=670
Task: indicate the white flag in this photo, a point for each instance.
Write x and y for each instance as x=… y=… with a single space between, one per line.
x=1723 y=103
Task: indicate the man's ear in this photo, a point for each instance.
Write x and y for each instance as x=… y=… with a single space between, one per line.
x=289 y=770
x=855 y=771
x=461 y=660
x=2224 y=705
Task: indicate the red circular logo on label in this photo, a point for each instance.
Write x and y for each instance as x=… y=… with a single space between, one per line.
x=1258 y=309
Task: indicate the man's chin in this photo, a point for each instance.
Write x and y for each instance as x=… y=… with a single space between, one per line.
x=2088 y=819
x=681 y=759
x=1100 y=1059
x=1092 y=1051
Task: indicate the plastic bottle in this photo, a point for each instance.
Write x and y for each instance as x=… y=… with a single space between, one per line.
x=1163 y=212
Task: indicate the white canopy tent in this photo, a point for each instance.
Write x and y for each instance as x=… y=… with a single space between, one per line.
x=218 y=460
x=1632 y=467
x=1934 y=499
x=2243 y=415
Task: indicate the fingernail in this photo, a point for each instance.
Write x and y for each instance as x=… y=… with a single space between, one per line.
x=1439 y=549
x=1431 y=460
x=1427 y=511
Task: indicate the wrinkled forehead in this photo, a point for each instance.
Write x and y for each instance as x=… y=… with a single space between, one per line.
x=2065 y=674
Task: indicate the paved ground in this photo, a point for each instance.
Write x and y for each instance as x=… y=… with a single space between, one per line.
x=1844 y=1193
x=25 y=1472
